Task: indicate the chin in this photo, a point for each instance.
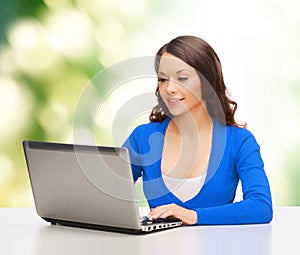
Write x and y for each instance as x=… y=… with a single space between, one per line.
x=177 y=113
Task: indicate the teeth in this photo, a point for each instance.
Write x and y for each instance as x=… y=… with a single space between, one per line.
x=173 y=100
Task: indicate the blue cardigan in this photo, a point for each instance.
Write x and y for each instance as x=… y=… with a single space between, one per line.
x=235 y=155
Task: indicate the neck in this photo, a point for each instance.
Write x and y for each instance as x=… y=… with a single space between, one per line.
x=196 y=121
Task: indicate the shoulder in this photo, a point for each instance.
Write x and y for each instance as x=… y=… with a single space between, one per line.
x=238 y=132
x=232 y=136
x=241 y=140
x=150 y=128
x=146 y=136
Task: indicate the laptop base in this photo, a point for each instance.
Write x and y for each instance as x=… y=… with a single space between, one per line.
x=101 y=227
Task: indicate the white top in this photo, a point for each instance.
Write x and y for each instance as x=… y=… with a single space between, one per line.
x=185 y=189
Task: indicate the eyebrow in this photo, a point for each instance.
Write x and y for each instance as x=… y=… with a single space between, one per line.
x=179 y=71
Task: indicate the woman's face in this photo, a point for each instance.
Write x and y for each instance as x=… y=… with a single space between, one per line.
x=179 y=85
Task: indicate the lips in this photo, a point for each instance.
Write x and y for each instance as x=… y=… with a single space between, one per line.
x=174 y=101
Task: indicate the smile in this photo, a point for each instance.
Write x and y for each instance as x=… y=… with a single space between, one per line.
x=173 y=101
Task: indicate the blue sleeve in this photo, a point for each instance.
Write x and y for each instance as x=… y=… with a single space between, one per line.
x=134 y=153
x=256 y=206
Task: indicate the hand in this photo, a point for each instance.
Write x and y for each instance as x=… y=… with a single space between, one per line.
x=188 y=217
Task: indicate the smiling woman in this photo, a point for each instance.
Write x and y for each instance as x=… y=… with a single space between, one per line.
x=51 y=49
x=199 y=58
x=179 y=85
x=203 y=150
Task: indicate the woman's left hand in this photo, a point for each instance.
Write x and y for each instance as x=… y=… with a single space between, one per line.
x=187 y=216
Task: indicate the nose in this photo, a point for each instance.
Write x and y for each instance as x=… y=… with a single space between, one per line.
x=172 y=87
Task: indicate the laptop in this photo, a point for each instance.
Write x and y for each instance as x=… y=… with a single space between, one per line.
x=87 y=186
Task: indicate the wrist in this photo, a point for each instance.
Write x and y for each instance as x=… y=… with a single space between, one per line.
x=192 y=217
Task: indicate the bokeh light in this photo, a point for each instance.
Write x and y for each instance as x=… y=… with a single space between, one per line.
x=52 y=49
x=15 y=110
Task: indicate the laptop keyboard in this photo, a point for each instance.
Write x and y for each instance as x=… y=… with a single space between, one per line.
x=147 y=221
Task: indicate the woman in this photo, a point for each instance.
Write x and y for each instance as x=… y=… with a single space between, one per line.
x=192 y=154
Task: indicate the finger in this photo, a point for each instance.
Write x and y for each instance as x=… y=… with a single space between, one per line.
x=166 y=214
x=169 y=210
x=158 y=212
x=154 y=213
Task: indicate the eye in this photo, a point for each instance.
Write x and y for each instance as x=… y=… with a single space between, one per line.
x=183 y=78
x=162 y=80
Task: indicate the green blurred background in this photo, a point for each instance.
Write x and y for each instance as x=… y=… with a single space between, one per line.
x=51 y=49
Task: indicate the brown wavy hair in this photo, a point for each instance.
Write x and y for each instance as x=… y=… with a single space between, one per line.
x=200 y=55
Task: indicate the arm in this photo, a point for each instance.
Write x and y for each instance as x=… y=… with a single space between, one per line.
x=256 y=206
x=132 y=146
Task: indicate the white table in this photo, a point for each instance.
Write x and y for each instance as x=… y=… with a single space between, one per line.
x=22 y=232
